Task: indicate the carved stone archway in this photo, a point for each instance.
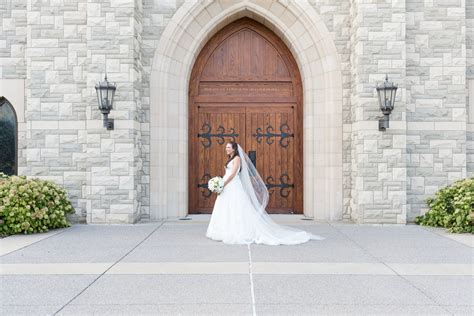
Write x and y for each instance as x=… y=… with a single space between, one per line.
x=303 y=31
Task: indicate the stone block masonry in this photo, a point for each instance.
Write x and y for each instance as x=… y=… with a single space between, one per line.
x=379 y=179
x=436 y=98
x=62 y=48
x=470 y=87
x=114 y=47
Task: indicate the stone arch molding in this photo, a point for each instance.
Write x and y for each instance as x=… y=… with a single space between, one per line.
x=301 y=28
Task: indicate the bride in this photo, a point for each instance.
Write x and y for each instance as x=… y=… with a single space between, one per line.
x=239 y=215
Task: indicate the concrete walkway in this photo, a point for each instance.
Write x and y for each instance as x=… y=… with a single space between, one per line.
x=171 y=268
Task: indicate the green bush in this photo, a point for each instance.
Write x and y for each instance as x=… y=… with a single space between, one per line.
x=31 y=205
x=452 y=208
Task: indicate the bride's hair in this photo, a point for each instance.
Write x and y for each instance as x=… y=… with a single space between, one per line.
x=235 y=147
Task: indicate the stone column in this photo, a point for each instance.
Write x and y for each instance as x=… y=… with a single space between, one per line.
x=55 y=108
x=378 y=158
x=470 y=86
x=436 y=107
x=113 y=46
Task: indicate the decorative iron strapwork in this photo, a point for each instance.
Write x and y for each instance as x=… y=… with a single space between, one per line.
x=205 y=178
x=283 y=185
x=285 y=135
x=220 y=135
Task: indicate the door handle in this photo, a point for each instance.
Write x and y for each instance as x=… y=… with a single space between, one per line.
x=253 y=157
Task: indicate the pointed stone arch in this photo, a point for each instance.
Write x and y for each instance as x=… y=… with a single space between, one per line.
x=303 y=31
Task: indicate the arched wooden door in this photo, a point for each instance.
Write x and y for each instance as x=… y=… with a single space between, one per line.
x=245 y=86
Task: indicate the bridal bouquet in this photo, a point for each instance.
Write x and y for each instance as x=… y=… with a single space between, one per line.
x=216 y=185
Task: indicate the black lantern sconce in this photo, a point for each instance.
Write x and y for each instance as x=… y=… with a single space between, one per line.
x=105 y=97
x=386 y=92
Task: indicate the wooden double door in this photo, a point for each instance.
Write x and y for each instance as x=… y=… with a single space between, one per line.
x=245 y=87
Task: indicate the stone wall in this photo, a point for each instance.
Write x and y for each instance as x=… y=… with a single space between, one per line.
x=13 y=19
x=56 y=58
x=336 y=17
x=470 y=80
x=436 y=105
x=13 y=39
x=62 y=48
x=378 y=158
x=115 y=170
x=156 y=15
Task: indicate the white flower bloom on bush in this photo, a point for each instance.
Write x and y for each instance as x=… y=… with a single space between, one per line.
x=32 y=206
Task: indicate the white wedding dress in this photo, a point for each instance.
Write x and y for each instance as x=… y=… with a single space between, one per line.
x=235 y=219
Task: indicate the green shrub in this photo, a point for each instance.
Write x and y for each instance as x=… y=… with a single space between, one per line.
x=31 y=205
x=452 y=208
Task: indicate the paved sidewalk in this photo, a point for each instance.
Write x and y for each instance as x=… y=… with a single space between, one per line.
x=171 y=268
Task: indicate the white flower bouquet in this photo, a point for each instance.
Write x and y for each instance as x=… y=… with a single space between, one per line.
x=216 y=185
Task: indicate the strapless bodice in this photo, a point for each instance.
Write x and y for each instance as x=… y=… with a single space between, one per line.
x=228 y=169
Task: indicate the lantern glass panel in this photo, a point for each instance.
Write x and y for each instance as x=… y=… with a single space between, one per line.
x=99 y=98
x=394 y=96
x=108 y=95
x=101 y=103
x=379 y=93
x=111 y=92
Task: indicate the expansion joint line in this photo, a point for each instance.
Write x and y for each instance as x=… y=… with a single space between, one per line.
x=252 y=291
x=116 y=262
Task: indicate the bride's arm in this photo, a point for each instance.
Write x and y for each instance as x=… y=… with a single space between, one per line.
x=235 y=169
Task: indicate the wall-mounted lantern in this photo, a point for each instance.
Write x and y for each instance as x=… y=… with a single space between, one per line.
x=105 y=97
x=386 y=92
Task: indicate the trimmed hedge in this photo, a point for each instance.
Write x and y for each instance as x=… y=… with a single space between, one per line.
x=31 y=205
x=452 y=207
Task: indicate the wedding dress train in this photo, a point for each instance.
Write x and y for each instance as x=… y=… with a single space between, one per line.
x=237 y=218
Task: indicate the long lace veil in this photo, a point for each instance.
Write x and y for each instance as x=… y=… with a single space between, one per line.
x=252 y=182
x=258 y=194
